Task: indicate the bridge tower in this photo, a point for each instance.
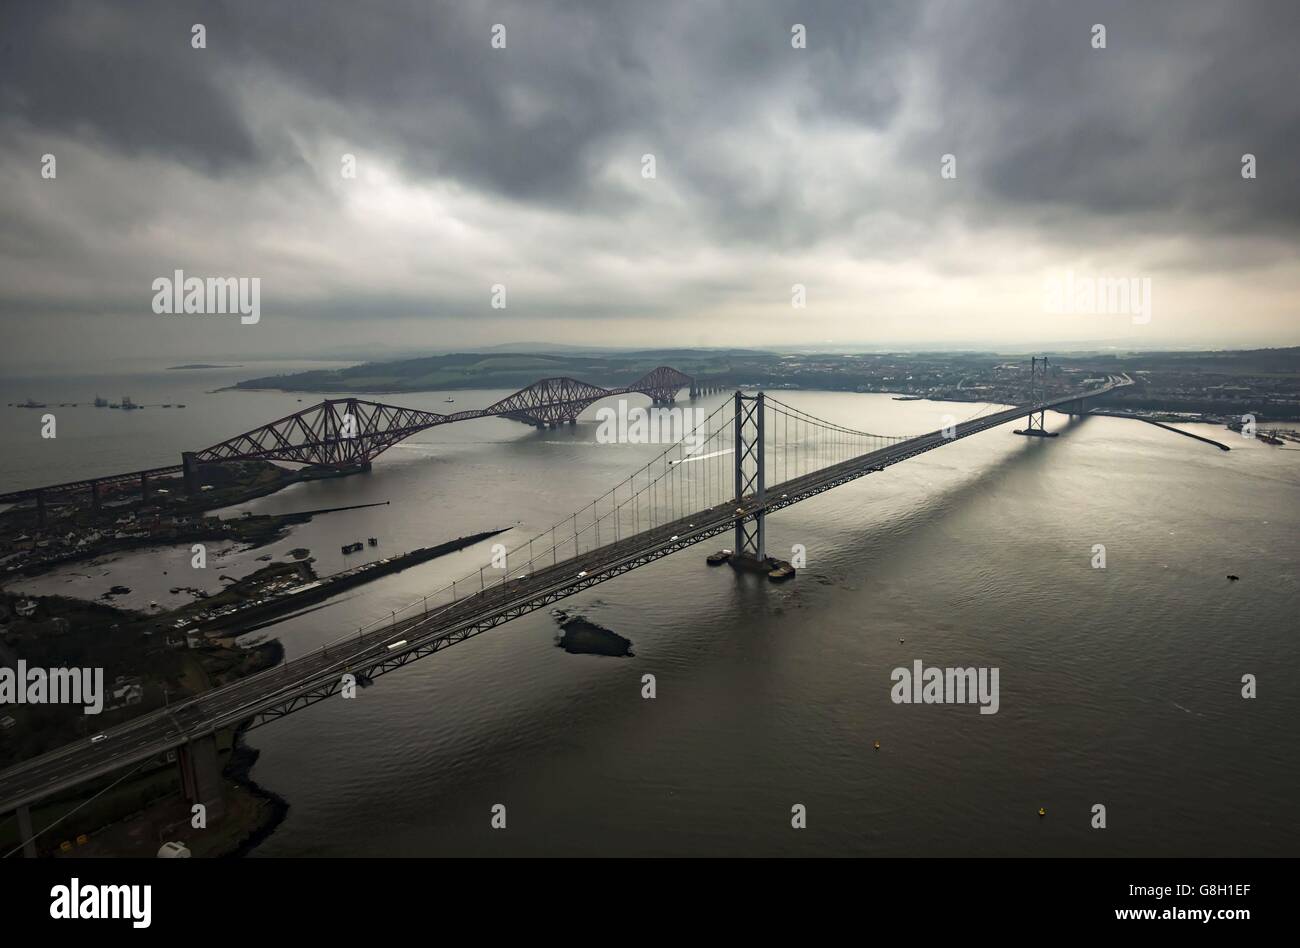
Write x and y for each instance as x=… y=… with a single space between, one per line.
x=1034 y=420
x=751 y=481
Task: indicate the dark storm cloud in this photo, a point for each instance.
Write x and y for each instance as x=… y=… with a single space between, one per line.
x=1155 y=125
x=1157 y=122
x=419 y=79
x=123 y=74
x=774 y=164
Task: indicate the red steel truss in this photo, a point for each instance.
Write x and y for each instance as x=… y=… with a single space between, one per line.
x=350 y=432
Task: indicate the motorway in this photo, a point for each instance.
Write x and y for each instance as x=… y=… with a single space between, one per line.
x=316 y=676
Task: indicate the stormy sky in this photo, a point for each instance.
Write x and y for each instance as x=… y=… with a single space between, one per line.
x=523 y=166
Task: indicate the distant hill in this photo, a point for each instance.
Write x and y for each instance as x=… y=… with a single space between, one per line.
x=1268 y=374
x=493 y=370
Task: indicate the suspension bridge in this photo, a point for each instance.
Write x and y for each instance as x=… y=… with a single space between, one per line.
x=753 y=456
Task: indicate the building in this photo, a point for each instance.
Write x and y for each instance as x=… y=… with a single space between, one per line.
x=127 y=690
x=127 y=695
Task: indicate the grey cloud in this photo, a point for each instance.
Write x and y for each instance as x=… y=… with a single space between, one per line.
x=1149 y=131
x=126 y=75
x=770 y=159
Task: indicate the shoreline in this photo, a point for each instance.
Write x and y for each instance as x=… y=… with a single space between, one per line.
x=239 y=769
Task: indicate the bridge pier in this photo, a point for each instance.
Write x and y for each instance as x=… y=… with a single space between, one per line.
x=190 y=473
x=201 y=775
x=94 y=496
x=144 y=488
x=25 y=832
x=40 y=508
x=1034 y=427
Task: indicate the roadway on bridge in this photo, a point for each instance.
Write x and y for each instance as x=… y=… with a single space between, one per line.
x=287 y=687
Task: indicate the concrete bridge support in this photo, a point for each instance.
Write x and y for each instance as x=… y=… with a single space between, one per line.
x=190 y=473
x=25 y=832
x=1034 y=426
x=201 y=775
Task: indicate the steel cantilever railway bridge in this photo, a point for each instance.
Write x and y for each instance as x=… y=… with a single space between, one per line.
x=717 y=480
x=349 y=433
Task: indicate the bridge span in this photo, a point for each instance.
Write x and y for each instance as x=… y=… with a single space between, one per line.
x=720 y=482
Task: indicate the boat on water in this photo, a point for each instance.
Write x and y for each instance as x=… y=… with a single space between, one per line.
x=128 y=405
x=781 y=572
x=449 y=399
x=31 y=403
x=101 y=402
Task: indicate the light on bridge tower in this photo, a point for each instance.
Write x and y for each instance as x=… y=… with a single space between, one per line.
x=750 y=477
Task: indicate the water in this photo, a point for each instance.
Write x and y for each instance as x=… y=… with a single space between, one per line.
x=1118 y=686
